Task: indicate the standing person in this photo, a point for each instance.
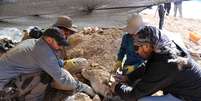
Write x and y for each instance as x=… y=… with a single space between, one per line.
x=161 y=13
x=27 y=69
x=178 y=6
x=180 y=80
x=167 y=7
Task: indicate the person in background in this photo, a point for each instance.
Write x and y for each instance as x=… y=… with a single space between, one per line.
x=161 y=13
x=167 y=7
x=178 y=6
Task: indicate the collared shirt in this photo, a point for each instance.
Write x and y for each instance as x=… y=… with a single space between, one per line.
x=31 y=56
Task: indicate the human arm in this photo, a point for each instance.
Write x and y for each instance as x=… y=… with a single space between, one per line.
x=153 y=80
x=48 y=62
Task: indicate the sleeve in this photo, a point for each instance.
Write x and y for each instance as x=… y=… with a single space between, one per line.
x=162 y=43
x=49 y=63
x=138 y=73
x=122 y=50
x=152 y=81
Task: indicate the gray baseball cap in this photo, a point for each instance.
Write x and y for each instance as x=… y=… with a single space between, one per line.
x=65 y=22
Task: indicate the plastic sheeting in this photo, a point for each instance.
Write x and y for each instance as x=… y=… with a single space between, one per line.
x=71 y=7
x=13 y=34
x=102 y=13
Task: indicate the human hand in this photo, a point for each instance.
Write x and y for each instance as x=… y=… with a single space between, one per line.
x=87 y=89
x=121 y=78
x=112 y=87
x=129 y=69
x=117 y=65
x=180 y=61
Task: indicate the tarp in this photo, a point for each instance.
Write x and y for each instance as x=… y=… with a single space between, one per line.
x=95 y=12
x=13 y=34
x=15 y=8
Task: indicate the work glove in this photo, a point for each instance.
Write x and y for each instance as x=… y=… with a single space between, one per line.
x=128 y=69
x=86 y=89
x=180 y=61
x=121 y=78
x=75 y=65
x=117 y=65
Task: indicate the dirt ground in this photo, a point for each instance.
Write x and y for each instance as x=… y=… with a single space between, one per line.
x=101 y=48
x=177 y=25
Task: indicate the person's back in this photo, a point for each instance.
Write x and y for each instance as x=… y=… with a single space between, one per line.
x=18 y=61
x=182 y=83
x=187 y=84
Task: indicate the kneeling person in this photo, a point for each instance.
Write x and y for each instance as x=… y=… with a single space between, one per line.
x=23 y=68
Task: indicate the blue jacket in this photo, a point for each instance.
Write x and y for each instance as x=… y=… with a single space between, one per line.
x=127 y=48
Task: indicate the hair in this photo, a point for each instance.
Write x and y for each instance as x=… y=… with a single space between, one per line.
x=55 y=33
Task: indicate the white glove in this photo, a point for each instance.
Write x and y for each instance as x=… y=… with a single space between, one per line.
x=181 y=61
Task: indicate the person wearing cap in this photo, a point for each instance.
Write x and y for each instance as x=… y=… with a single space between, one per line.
x=169 y=68
x=65 y=23
x=27 y=69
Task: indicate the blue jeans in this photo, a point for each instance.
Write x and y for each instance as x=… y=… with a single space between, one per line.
x=167 y=97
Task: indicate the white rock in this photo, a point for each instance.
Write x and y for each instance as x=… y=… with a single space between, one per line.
x=98 y=79
x=79 y=97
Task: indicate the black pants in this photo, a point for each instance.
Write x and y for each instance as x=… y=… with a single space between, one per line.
x=167 y=7
x=161 y=13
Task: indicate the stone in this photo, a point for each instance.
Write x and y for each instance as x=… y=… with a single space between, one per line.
x=96 y=98
x=98 y=79
x=79 y=97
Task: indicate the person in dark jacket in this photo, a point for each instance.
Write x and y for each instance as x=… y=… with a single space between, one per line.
x=180 y=79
